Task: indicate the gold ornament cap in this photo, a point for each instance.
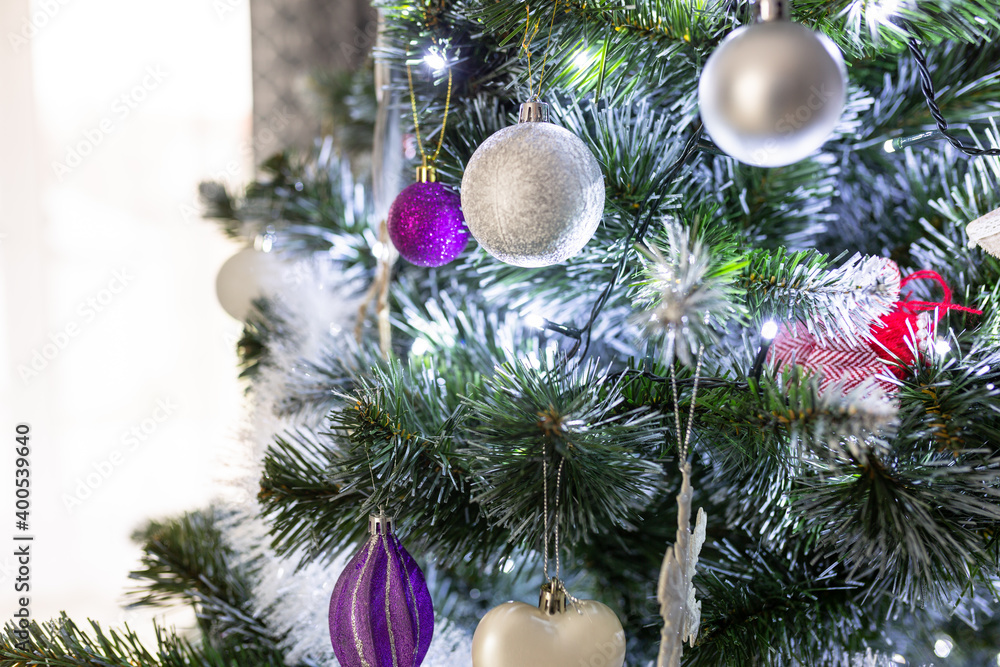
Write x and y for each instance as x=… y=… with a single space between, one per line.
x=380 y=523
x=774 y=10
x=552 y=597
x=426 y=173
x=533 y=112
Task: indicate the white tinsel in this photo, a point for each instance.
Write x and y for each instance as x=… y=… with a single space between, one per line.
x=680 y=609
x=292 y=595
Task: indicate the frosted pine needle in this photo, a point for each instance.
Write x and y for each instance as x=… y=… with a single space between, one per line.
x=680 y=610
x=841 y=302
x=835 y=423
x=686 y=293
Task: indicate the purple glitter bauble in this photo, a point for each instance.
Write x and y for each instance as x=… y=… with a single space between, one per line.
x=381 y=613
x=426 y=224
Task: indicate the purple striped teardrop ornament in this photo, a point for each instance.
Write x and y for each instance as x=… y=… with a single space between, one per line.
x=381 y=613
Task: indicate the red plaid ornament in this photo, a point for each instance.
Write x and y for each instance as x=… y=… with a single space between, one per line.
x=889 y=349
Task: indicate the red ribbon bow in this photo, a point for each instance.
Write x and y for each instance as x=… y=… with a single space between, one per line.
x=893 y=340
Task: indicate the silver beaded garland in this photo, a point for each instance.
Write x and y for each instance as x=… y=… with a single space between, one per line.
x=533 y=193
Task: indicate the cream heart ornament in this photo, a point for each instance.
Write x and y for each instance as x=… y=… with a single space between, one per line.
x=515 y=634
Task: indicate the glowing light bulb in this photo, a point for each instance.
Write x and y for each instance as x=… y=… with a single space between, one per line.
x=889 y=148
x=419 y=347
x=581 y=60
x=898 y=659
x=942 y=346
x=435 y=61
x=534 y=320
x=769 y=330
x=942 y=647
x=882 y=12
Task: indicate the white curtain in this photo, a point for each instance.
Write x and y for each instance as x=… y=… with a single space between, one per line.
x=113 y=348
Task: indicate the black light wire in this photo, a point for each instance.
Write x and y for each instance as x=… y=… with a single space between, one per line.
x=927 y=87
x=643 y=219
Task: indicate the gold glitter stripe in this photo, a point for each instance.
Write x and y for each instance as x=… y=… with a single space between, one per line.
x=416 y=611
x=388 y=582
x=354 y=605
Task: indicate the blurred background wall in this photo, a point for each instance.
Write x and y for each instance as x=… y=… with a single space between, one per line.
x=112 y=346
x=292 y=39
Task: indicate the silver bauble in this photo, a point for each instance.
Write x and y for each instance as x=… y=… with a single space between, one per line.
x=772 y=93
x=533 y=194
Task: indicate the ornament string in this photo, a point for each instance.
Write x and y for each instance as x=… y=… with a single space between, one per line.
x=529 y=35
x=545 y=528
x=927 y=87
x=912 y=306
x=416 y=121
x=371 y=471
x=378 y=293
x=684 y=441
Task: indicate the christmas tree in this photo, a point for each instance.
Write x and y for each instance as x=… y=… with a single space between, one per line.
x=755 y=414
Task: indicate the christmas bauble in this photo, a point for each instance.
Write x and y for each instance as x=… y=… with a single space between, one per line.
x=380 y=612
x=247 y=275
x=426 y=224
x=516 y=634
x=772 y=93
x=533 y=193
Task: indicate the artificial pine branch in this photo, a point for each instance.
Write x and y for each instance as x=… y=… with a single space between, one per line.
x=266 y=324
x=186 y=560
x=842 y=302
x=527 y=415
x=764 y=608
x=304 y=206
x=60 y=643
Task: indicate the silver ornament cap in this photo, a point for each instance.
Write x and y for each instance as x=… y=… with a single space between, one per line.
x=533 y=193
x=774 y=10
x=381 y=523
x=533 y=112
x=772 y=92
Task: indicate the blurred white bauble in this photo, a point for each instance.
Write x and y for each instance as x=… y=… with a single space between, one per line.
x=772 y=93
x=249 y=274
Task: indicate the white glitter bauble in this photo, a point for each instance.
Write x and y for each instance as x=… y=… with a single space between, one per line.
x=772 y=93
x=247 y=275
x=533 y=194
